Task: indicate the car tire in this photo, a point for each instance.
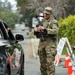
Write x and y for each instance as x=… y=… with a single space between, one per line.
x=7 y=71
x=22 y=68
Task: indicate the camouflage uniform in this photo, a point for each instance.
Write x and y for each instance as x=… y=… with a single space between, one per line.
x=47 y=49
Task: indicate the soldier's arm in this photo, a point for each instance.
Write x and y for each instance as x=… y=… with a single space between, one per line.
x=54 y=29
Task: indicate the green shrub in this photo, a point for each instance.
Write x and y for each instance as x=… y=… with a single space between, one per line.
x=67 y=28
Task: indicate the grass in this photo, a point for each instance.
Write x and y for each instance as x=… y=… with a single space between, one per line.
x=64 y=52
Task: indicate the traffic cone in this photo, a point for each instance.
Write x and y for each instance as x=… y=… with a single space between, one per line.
x=70 y=68
x=67 y=60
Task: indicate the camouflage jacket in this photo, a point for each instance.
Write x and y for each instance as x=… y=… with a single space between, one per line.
x=51 y=25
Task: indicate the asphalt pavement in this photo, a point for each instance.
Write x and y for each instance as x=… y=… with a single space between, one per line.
x=32 y=65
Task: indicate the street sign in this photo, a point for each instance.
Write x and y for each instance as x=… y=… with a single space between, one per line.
x=60 y=46
x=63 y=43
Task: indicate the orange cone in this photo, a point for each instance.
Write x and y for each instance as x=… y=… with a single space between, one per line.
x=67 y=60
x=70 y=68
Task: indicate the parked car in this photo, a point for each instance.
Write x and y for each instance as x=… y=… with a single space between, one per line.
x=11 y=52
x=23 y=27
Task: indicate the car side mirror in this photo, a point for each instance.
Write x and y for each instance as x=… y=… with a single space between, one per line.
x=19 y=37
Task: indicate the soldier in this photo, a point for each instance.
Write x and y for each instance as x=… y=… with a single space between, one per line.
x=47 y=47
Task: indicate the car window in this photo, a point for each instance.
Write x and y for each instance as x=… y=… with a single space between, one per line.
x=1 y=35
x=3 y=31
x=9 y=32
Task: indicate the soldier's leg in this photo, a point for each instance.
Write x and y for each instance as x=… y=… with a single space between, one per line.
x=42 y=57
x=43 y=67
x=50 y=60
x=51 y=69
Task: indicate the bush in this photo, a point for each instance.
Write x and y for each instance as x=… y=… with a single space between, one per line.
x=67 y=28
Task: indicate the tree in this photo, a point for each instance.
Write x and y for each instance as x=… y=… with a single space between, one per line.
x=29 y=8
x=61 y=8
x=9 y=17
x=6 y=13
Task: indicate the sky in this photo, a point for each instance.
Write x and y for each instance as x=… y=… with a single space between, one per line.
x=13 y=2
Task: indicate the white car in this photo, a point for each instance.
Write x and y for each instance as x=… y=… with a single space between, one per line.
x=23 y=27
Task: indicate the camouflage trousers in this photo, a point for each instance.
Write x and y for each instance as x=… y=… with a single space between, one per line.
x=47 y=56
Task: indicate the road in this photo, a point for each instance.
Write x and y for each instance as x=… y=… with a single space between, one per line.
x=32 y=65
